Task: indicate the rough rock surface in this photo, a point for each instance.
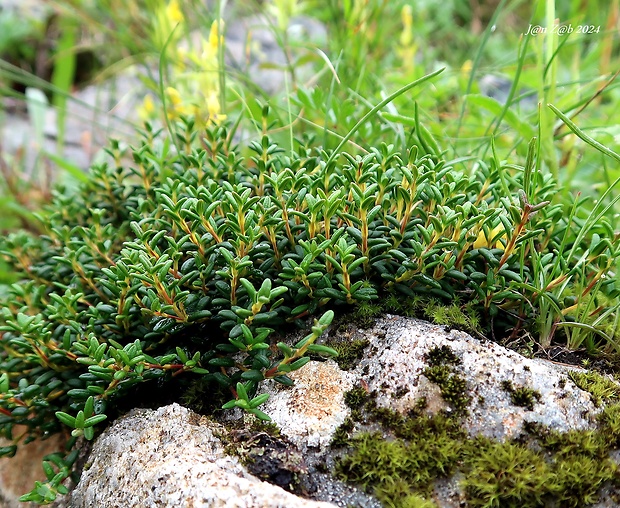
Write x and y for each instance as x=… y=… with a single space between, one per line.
x=316 y=399
x=392 y=367
x=395 y=364
x=173 y=457
x=170 y=458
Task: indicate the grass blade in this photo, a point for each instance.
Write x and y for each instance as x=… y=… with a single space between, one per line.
x=374 y=110
x=582 y=135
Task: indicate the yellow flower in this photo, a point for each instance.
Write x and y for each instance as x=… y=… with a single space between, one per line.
x=407 y=16
x=148 y=108
x=407 y=47
x=466 y=67
x=174 y=96
x=485 y=241
x=176 y=107
x=215 y=40
x=214 y=109
x=174 y=13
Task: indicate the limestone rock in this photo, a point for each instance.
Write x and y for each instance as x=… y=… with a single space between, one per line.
x=392 y=368
x=169 y=458
x=173 y=457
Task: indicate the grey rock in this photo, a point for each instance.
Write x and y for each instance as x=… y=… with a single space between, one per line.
x=93 y=115
x=393 y=369
x=100 y=111
x=400 y=359
x=254 y=49
x=171 y=457
x=498 y=88
x=36 y=10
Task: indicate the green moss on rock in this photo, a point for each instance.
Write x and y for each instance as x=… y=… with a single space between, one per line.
x=602 y=389
x=349 y=352
x=400 y=463
x=521 y=396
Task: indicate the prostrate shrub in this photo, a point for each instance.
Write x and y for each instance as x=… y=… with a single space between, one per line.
x=184 y=264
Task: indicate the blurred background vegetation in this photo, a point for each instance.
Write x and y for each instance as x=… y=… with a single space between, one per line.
x=320 y=66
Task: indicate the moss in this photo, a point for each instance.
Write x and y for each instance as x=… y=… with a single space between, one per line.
x=343 y=433
x=512 y=474
x=366 y=314
x=377 y=464
x=400 y=463
x=415 y=501
x=588 y=443
x=453 y=315
x=441 y=361
x=356 y=397
x=401 y=470
x=578 y=479
x=522 y=396
x=495 y=474
x=441 y=355
x=410 y=307
x=401 y=492
x=601 y=389
x=349 y=352
x=203 y=397
x=400 y=392
x=505 y=474
x=268 y=427
x=453 y=387
x=609 y=420
x=387 y=417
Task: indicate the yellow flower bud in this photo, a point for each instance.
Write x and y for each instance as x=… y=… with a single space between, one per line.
x=174 y=13
x=466 y=67
x=406 y=15
x=485 y=241
x=174 y=96
x=148 y=104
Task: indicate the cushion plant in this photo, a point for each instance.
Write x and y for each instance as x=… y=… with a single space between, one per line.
x=185 y=263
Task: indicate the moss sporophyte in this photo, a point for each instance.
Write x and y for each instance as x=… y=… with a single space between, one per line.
x=184 y=263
